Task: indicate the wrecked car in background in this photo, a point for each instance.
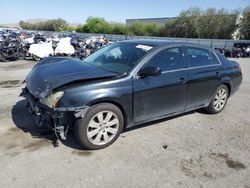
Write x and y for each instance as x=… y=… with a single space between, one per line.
x=126 y=84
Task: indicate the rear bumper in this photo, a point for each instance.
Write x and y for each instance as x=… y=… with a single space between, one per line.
x=58 y=119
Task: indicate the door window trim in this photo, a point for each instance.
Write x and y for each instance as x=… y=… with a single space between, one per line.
x=186 y=61
x=202 y=66
x=159 y=50
x=216 y=56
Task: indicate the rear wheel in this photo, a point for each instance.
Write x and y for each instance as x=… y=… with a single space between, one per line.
x=219 y=100
x=100 y=127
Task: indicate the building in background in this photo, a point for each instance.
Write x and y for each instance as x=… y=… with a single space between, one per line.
x=160 y=21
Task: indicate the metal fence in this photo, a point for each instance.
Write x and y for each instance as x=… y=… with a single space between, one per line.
x=213 y=43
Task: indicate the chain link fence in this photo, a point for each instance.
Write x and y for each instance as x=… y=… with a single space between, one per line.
x=213 y=43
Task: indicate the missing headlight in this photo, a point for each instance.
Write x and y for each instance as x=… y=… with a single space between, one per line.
x=52 y=100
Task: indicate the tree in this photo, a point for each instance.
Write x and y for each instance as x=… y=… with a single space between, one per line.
x=100 y=25
x=118 y=28
x=217 y=24
x=195 y=23
x=49 y=25
x=24 y=25
x=244 y=25
x=186 y=25
x=191 y=23
x=95 y=25
x=144 y=29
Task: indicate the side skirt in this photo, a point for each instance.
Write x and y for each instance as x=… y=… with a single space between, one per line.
x=166 y=116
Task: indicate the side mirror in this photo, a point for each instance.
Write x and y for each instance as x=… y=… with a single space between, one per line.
x=149 y=71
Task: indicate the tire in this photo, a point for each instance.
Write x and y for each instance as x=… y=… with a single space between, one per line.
x=219 y=100
x=100 y=127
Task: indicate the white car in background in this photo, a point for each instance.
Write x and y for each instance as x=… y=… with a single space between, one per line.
x=64 y=47
x=41 y=50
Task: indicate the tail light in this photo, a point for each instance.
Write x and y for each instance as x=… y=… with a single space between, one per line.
x=239 y=68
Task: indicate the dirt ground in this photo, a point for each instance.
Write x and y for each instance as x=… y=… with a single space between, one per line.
x=191 y=150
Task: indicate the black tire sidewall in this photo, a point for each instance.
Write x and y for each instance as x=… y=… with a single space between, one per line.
x=80 y=128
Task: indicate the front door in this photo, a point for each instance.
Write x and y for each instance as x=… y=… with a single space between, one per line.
x=156 y=96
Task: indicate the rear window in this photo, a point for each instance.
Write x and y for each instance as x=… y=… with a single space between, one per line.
x=215 y=59
x=220 y=56
x=199 y=57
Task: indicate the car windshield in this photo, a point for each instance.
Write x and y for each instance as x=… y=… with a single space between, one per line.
x=118 y=57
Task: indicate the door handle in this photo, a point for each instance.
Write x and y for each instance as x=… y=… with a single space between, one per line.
x=182 y=80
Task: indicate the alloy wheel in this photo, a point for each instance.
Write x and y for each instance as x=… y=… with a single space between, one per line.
x=102 y=128
x=220 y=99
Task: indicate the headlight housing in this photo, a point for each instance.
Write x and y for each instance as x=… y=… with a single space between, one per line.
x=52 y=100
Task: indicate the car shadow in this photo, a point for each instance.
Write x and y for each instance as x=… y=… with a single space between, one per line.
x=24 y=121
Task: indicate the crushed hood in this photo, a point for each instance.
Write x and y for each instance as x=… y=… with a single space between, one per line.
x=53 y=72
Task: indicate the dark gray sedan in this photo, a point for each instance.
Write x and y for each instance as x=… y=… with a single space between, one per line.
x=126 y=84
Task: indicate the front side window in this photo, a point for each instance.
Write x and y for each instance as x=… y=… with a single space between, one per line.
x=119 y=57
x=199 y=57
x=168 y=59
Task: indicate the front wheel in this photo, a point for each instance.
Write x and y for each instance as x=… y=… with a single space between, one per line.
x=219 y=100
x=100 y=127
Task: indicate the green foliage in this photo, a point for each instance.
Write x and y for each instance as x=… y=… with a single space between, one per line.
x=144 y=29
x=186 y=25
x=244 y=26
x=192 y=23
x=195 y=23
x=95 y=25
x=118 y=28
x=217 y=24
x=50 y=25
x=71 y=28
x=99 y=25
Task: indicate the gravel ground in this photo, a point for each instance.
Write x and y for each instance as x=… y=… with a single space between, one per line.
x=191 y=150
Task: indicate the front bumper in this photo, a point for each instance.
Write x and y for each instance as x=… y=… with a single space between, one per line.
x=59 y=119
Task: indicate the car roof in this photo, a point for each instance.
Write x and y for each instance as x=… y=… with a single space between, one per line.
x=162 y=42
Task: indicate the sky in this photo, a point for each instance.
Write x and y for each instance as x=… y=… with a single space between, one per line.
x=77 y=11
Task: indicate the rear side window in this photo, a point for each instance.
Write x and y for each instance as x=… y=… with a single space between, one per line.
x=168 y=59
x=199 y=57
x=215 y=59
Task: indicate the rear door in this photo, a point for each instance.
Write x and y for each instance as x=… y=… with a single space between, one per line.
x=203 y=76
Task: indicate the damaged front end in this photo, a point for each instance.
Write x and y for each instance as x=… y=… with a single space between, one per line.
x=48 y=115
